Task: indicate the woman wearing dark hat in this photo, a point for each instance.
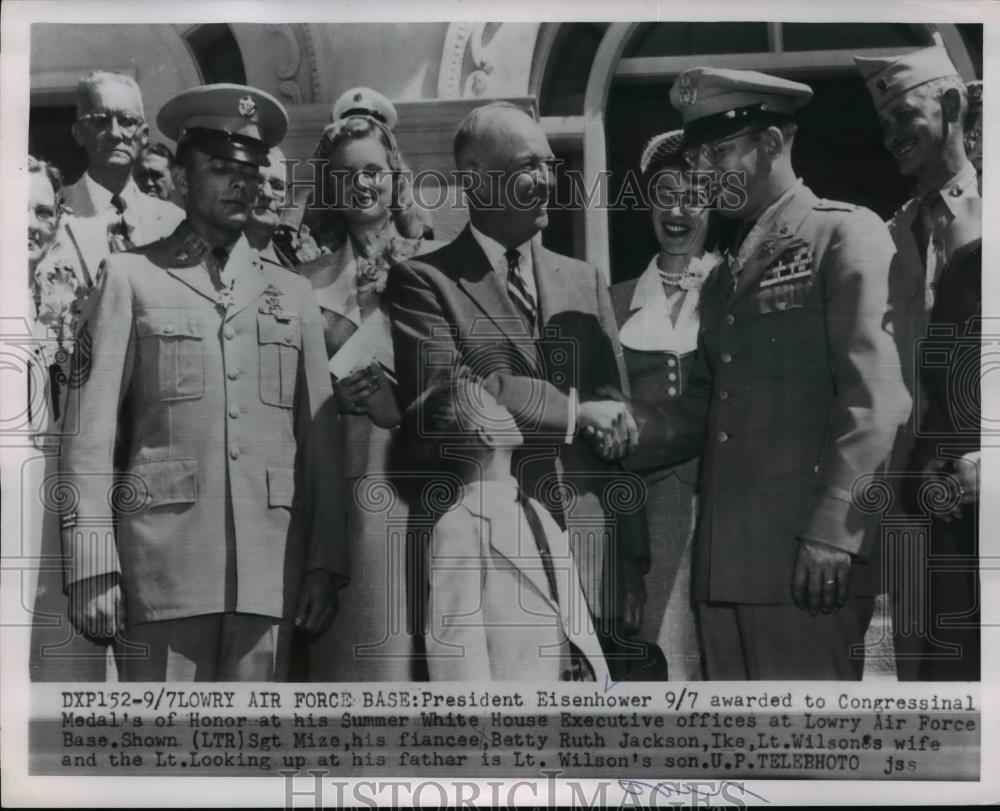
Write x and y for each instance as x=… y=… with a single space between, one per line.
x=365 y=221
x=657 y=315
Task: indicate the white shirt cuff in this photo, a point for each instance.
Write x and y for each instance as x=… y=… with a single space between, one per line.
x=573 y=402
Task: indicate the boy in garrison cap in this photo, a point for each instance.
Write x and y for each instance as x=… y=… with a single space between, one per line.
x=922 y=105
x=224 y=453
x=795 y=398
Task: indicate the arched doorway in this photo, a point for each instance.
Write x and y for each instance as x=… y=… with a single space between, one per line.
x=603 y=90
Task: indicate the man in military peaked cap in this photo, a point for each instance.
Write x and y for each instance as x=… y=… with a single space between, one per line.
x=794 y=401
x=224 y=453
x=921 y=104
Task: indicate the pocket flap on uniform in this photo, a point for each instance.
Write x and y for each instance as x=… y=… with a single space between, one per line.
x=792 y=295
x=168 y=324
x=280 y=486
x=169 y=481
x=286 y=330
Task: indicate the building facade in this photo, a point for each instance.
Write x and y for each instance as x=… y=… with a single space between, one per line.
x=600 y=90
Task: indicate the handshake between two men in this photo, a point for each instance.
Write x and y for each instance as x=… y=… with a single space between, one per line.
x=608 y=425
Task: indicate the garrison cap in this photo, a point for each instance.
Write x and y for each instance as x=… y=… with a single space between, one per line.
x=365 y=101
x=225 y=121
x=889 y=77
x=715 y=102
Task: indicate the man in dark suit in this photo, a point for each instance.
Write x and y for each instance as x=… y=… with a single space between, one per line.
x=539 y=329
x=794 y=402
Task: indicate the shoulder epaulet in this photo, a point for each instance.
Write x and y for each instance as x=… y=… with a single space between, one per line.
x=834 y=205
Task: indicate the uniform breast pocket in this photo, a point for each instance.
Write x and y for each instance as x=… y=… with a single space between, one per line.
x=171 y=345
x=280 y=340
x=785 y=297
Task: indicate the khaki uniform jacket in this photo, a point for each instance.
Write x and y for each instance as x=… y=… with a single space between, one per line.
x=202 y=413
x=492 y=615
x=795 y=401
x=912 y=285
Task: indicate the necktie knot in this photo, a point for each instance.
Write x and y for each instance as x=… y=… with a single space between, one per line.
x=119 y=229
x=513 y=257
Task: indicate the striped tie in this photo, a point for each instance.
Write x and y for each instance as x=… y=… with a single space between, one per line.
x=517 y=290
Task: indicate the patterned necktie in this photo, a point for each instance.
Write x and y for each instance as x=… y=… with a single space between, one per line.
x=922 y=224
x=119 y=231
x=518 y=290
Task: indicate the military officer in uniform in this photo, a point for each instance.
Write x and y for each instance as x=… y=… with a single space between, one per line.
x=795 y=397
x=921 y=103
x=206 y=393
x=922 y=106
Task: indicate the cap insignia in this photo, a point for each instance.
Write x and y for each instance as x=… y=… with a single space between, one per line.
x=247 y=107
x=687 y=91
x=882 y=86
x=358 y=97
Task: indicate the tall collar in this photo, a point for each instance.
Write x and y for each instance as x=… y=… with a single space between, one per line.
x=101 y=197
x=480 y=493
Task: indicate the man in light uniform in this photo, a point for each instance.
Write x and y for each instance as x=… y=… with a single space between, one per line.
x=206 y=395
x=922 y=106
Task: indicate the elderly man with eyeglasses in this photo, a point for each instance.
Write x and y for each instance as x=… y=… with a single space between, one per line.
x=109 y=212
x=794 y=400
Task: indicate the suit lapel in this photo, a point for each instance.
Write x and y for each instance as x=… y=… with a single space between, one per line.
x=551 y=292
x=480 y=282
x=89 y=239
x=512 y=540
x=778 y=238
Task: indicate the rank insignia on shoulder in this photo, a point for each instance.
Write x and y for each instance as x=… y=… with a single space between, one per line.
x=795 y=263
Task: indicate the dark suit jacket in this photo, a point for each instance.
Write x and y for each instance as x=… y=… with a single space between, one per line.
x=449 y=308
x=797 y=397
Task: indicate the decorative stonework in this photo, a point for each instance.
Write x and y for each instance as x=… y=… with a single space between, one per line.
x=462 y=39
x=309 y=35
x=287 y=70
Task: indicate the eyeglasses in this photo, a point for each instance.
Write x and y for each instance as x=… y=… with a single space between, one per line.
x=710 y=150
x=102 y=121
